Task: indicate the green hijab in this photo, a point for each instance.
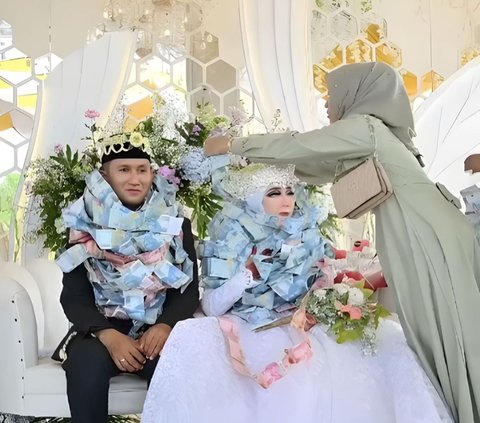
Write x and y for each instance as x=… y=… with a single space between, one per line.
x=374 y=89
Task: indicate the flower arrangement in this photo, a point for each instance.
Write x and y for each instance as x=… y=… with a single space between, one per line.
x=347 y=310
x=52 y=184
x=175 y=144
x=342 y=299
x=181 y=158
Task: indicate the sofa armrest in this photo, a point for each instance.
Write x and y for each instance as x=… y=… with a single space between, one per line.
x=18 y=330
x=19 y=342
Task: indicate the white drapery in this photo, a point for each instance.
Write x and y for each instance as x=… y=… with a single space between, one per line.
x=93 y=77
x=275 y=36
x=448 y=130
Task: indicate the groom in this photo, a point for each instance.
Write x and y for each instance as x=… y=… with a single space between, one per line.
x=116 y=296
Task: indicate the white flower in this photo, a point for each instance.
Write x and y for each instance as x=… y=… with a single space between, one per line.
x=320 y=293
x=341 y=288
x=136 y=139
x=355 y=296
x=60 y=226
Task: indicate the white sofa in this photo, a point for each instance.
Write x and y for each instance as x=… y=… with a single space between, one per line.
x=32 y=325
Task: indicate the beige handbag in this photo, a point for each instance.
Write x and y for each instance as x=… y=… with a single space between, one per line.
x=363 y=187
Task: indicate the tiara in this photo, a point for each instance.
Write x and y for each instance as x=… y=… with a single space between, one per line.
x=123 y=142
x=250 y=179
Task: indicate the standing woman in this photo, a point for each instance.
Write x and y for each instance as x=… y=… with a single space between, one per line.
x=428 y=250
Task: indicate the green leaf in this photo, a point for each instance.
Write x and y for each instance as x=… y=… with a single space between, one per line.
x=349 y=335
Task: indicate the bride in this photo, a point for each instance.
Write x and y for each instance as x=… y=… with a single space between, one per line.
x=260 y=260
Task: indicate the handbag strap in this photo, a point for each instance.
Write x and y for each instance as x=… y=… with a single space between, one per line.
x=374 y=154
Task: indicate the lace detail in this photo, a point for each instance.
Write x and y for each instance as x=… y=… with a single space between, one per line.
x=195 y=382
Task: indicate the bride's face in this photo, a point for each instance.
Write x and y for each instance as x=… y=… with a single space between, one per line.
x=279 y=201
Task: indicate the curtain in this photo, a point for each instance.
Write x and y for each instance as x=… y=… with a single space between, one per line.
x=275 y=37
x=93 y=77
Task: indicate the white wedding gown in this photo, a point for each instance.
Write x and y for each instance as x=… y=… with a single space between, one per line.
x=195 y=382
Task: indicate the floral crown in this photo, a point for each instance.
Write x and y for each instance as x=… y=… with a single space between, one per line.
x=253 y=177
x=125 y=144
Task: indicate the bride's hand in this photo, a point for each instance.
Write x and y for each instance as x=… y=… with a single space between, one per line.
x=214 y=146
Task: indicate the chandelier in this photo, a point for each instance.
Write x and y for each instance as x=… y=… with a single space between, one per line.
x=164 y=22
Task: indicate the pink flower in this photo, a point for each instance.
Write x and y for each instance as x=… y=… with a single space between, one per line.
x=169 y=174
x=270 y=375
x=92 y=114
x=58 y=148
x=166 y=171
x=196 y=130
x=354 y=312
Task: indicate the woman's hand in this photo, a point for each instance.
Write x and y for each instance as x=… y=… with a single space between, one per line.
x=215 y=146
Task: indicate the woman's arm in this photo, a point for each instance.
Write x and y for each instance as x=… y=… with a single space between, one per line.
x=315 y=154
x=218 y=301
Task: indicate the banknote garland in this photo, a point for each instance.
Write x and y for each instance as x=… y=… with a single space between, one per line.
x=132 y=257
x=285 y=251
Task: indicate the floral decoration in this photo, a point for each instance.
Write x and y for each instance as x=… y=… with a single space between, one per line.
x=347 y=310
x=175 y=143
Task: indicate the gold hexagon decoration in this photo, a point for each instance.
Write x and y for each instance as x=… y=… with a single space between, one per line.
x=411 y=82
x=373 y=33
x=389 y=53
x=334 y=59
x=16 y=69
x=320 y=79
x=27 y=96
x=138 y=111
x=6 y=91
x=431 y=81
x=6 y=121
x=359 y=51
x=468 y=55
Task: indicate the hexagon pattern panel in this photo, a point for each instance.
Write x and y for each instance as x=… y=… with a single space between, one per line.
x=194 y=72
x=18 y=96
x=343 y=35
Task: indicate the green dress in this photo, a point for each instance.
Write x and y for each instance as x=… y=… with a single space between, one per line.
x=428 y=250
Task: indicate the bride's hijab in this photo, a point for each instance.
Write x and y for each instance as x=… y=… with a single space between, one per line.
x=374 y=89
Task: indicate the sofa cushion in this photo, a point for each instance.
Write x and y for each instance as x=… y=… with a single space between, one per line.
x=48 y=377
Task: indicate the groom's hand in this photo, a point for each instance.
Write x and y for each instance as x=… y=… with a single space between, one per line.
x=153 y=340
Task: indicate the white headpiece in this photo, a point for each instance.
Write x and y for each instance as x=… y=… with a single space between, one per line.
x=242 y=183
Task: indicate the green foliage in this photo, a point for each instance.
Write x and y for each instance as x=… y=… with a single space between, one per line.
x=55 y=183
x=330 y=227
x=182 y=161
x=8 y=189
x=348 y=312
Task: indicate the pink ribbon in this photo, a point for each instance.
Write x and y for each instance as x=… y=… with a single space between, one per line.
x=273 y=371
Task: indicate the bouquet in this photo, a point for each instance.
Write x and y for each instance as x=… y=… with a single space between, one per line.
x=342 y=300
x=345 y=309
